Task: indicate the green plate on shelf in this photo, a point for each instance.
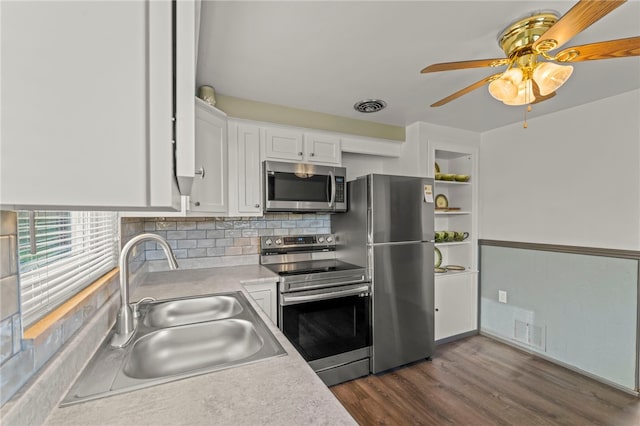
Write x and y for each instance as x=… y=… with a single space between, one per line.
x=438 y=257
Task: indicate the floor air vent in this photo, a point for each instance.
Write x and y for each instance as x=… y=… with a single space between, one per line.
x=530 y=334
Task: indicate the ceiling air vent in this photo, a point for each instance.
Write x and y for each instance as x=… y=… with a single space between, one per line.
x=370 y=105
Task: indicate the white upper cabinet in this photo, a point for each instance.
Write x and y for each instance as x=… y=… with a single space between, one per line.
x=322 y=148
x=87 y=105
x=209 y=192
x=245 y=187
x=293 y=145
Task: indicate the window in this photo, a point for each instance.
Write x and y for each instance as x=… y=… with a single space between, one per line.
x=72 y=249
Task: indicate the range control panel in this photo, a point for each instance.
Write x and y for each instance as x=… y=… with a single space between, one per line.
x=293 y=243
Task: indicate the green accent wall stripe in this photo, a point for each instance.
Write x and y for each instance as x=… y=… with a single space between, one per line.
x=261 y=111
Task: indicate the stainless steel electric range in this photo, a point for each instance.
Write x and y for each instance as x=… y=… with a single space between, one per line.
x=324 y=305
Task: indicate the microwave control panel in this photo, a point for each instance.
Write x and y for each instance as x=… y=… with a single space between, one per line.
x=340 y=189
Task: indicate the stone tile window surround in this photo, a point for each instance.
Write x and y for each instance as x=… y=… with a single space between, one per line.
x=224 y=241
x=24 y=352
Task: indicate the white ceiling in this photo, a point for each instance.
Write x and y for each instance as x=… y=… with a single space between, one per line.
x=325 y=56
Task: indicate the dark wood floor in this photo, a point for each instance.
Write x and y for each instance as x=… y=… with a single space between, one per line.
x=479 y=381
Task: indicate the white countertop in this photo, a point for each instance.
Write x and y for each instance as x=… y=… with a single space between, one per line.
x=278 y=391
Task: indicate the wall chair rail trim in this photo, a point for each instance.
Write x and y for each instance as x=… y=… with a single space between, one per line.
x=593 y=251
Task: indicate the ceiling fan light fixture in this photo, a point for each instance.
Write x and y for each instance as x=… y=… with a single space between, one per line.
x=550 y=76
x=524 y=95
x=506 y=87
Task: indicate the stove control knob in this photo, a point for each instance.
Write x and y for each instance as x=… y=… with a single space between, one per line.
x=321 y=239
x=268 y=242
x=329 y=239
x=278 y=241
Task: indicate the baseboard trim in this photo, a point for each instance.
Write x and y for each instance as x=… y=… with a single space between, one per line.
x=456 y=337
x=528 y=350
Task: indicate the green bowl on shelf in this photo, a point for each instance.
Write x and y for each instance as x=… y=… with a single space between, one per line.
x=462 y=178
x=448 y=176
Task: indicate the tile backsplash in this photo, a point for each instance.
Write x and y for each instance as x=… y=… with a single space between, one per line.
x=222 y=241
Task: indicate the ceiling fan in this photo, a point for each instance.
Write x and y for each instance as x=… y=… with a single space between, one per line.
x=533 y=74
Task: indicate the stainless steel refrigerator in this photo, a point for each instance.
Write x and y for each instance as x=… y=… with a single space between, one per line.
x=389 y=229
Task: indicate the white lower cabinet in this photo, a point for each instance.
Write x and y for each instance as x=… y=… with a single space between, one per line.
x=265 y=295
x=245 y=183
x=209 y=192
x=456 y=304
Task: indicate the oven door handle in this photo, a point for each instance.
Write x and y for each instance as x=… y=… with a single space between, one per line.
x=292 y=299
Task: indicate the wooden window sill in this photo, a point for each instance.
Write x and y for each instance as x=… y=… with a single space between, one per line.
x=45 y=324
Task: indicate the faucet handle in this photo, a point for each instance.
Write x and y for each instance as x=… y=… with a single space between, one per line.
x=136 y=306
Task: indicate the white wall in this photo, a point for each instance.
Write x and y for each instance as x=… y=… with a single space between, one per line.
x=572 y=177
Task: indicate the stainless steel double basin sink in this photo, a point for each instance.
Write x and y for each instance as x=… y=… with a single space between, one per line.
x=176 y=339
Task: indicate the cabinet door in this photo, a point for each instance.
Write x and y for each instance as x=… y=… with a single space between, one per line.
x=283 y=144
x=323 y=149
x=456 y=305
x=209 y=192
x=86 y=110
x=245 y=189
x=265 y=296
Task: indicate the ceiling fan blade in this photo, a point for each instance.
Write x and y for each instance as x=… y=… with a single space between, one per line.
x=578 y=18
x=603 y=50
x=479 y=63
x=466 y=90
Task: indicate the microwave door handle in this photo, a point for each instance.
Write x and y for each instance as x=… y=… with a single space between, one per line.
x=332 y=177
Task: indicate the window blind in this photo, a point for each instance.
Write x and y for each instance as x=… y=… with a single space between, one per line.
x=72 y=249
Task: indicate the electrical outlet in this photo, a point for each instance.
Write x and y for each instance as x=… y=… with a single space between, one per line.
x=502 y=296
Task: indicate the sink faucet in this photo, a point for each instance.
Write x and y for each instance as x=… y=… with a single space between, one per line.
x=126 y=323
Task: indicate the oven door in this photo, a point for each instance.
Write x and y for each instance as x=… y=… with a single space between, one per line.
x=303 y=187
x=324 y=323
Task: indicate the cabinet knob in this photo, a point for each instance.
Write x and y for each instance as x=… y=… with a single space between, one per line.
x=257 y=206
x=313 y=154
x=197 y=204
x=437 y=309
x=200 y=172
x=300 y=154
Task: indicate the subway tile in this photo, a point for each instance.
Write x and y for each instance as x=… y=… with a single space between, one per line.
x=233 y=233
x=177 y=235
x=165 y=226
x=149 y=226
x=186 y=226
x=232 y=251
x=215 y=251
x=8 y=222
x=156 y=255
x=14 y=373
x=197 y=252
x=8 y=296
x=295 y=216
x=280 y=232
x=8 y=258
x=206 y=243
x=241 y=224
x=48 y=346
x=258 y=224
x=6 y=339
x=187 y=244
x=17 y=333
x=288 y=223
x=265 y=232
x=206 y=225
x=196 y=235
x=219 y=233
x=242 y=241
x=274 y=224
x=180 y=254
x=250 y=250
x=249 y=232
x=224 y=242
x=224 y=225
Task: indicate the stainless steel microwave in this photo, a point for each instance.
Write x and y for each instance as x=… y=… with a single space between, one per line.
x=299 y=187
